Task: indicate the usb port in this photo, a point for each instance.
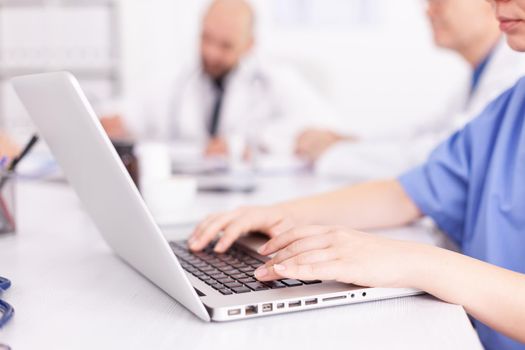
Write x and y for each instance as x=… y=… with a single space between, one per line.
x=280 y=305
x=311 y=301
x=234 y=312
x=294 y=303
x=267 y=307
x=251 y=310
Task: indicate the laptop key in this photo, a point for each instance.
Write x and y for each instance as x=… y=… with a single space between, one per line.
x=226 y=280
x=217 y=286
x=311 y=282
x=291 y=283
x=233 y=284
x=247 y=280
x=230 y=270
x=257 y=286
x=225 y=291
x=242 y=289
x=275 y=284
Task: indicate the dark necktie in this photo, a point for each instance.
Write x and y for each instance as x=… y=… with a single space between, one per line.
x=216 y=112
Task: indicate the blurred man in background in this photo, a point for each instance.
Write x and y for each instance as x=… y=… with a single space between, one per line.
x=230 y=94
x=466 y=27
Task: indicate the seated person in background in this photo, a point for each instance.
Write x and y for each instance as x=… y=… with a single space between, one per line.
x=230 y=93
x=466 y=27
x=472 y=186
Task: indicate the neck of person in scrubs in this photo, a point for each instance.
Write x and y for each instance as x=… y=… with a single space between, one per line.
x=479 y=70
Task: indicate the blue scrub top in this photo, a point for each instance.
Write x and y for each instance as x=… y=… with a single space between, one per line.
x=479 y=71
x=473 y=186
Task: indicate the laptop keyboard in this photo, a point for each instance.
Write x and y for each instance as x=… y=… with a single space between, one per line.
x=231 y=272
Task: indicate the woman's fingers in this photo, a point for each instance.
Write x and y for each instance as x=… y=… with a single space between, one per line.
x=311 y=257
x=209 y=230
x=280 y=227
x=300 y=247
x=287 y=238
x=244 y=225
x=326 y=270
x=235 y=224
x=197 y=232
x=231 y=233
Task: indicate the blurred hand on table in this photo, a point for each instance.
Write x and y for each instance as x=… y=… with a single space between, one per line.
x=115 y=127
x=313 y=143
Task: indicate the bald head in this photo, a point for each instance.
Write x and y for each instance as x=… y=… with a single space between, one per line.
x=227 y=36
x=237 y=13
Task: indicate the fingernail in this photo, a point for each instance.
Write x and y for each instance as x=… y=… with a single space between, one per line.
x=219 y=248
x=278 y=267
x=261 y=272
x=195 y=246
x=262 y=249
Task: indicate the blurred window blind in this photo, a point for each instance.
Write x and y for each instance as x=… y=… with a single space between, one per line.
x=329 y=13
x=81 y=36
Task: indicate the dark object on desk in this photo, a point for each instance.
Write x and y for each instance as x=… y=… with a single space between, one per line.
x=227 y=183
x=226 y=189
x=7 y=196
x=8 y=204
x=6 y=310
x=126 y=152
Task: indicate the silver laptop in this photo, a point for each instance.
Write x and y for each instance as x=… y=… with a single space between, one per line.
x=213 y=287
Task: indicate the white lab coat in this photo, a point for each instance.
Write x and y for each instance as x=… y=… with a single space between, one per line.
x=388 y=157
x=265 y=103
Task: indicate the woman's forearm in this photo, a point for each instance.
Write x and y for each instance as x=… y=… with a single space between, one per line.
x=370 y=205
x=490 y=294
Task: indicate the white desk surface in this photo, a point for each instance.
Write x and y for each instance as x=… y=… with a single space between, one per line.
x=71 y=292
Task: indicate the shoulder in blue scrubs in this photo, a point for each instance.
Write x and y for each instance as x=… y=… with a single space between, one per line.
x=473 y=186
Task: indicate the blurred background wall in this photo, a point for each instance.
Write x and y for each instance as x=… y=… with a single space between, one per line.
x=372 y=59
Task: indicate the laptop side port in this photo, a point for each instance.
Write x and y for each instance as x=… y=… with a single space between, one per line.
x=267 y=307
x=294 y=303
x=280 y=305
x=251 y=310
x=310 y=302
x=234 y=312
x=339 y=297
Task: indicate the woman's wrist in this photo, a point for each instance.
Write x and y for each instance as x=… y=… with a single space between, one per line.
x=422 y=265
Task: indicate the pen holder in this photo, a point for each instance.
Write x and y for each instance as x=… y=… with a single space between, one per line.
x=7 y=202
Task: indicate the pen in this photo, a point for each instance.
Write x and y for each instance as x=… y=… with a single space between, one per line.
x=25 y=151
x=12 y=166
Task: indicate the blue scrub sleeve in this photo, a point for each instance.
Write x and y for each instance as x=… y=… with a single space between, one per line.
x=440 y=187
